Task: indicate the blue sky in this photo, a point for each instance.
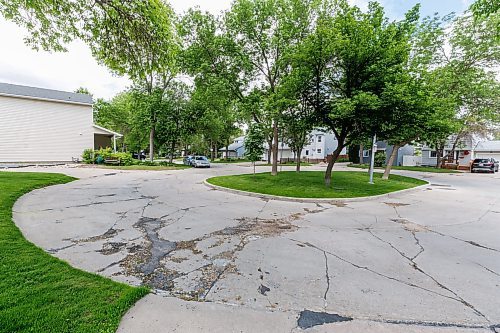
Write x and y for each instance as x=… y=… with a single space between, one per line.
x=67 y=71
x=396 y=9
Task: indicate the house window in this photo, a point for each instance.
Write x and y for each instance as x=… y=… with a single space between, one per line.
x=432 y=153
x=319 y=138
x=307 y=152
x=366 y=153
x=319 y=151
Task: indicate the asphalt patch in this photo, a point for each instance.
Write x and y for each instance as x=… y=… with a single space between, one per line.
x=308 y=319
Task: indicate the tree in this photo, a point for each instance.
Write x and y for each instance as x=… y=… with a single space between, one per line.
x=482 y=8
x=465 y=73
x=264 y=31
x=134 y=38
x=176 y=117
x=254 y=144
x=345 y=66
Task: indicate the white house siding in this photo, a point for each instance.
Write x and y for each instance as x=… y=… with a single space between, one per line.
x=43 y=131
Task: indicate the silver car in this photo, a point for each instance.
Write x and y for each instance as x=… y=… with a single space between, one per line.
x=200 y=162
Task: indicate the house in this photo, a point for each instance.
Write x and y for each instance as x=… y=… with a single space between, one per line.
x=487 y=149
x=464 y=152
x=44 y=125
x=321 y=144
x=235 y=149
x=383 y=146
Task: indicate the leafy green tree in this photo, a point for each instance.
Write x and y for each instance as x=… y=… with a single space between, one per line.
x=134 y=38
x=345 y=67
x=254 y=141
x=482 y=8
x=465 y=72
x=264 y=32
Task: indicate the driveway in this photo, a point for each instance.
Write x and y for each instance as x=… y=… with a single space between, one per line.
x=420 y=261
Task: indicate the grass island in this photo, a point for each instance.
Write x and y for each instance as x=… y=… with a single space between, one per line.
x=310 y=184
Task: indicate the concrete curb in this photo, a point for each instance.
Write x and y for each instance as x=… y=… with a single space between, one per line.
x=313 y=200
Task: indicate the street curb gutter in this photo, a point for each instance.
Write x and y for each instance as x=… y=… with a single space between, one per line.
x=313 y=200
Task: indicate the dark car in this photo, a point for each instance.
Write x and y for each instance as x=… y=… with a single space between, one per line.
x=484 y=164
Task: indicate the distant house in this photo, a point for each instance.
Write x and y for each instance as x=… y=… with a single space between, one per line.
x=43 y=125
x=464 y=152
x=321 y=144
x=383 y=146
x=488 y=149
x=235 y=149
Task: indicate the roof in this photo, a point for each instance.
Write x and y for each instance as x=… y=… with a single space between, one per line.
x=105 y=131
x=488 y=146
x=8 y=89
x=235 y=146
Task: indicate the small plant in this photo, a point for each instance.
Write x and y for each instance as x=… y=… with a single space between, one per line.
x=88 y=156
x=379 y=159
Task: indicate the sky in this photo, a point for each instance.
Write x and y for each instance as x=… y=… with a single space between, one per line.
x=76 y=68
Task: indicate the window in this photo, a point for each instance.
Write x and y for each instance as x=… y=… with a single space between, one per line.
x=307 y=152
x=433 y=153
x=319 y=138
x=366 y=153
x=319 y=151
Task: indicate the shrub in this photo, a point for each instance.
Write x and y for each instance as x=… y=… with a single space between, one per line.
x=101 y=155
x=379 y=159
x=88 y=156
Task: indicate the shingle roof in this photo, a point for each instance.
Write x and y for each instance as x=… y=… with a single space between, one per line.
x=33 y=92
x=488 y=146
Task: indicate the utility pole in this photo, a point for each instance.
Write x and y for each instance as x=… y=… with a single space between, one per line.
x=372 y=159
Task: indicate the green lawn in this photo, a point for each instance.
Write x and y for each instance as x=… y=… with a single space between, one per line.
x=310 y=184
x=286 y=164
x=40 y=293
x=231 y=160
x=408 y=168
x=146 y=167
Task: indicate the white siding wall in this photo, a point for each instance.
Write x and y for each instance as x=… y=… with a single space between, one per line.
x=43 y=131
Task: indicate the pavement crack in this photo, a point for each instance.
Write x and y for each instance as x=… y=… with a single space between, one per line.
x=327 y=275
x=409 y=284
x=489 y=270
x=439 y=284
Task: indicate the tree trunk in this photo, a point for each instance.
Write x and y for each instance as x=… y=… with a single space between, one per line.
x=388 y=167
x=361 y=149
x=331 y=163
x=269 y=149
x=227 y=149
x=172 y=148
x=151 y=143
x=299 y=152
x=439 y=156
x=274 y=169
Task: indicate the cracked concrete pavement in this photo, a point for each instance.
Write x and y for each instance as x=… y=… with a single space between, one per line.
x=421 y=261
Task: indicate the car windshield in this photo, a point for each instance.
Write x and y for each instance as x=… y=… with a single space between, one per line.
x=481 y=160
x=201 y=158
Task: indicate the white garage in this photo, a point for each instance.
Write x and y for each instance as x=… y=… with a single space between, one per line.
x=43 y=125
x=488 y=149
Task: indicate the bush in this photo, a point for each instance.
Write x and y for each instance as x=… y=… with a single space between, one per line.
x=99 y=156
x=88 y=156
x=343 y=160
x=379 y=159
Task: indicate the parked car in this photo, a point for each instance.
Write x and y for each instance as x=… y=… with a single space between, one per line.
x=201 y=162
x=188 y=160
x=484 y=164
